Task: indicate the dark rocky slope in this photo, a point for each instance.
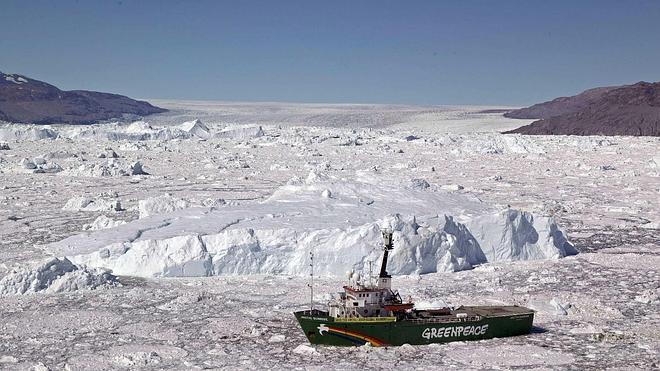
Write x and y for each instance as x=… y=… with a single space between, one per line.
x=25 y=100
x=623 y=110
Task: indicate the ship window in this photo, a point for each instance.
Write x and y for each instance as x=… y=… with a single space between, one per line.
x=355 y=303
x=377 y=311
x=366 y=311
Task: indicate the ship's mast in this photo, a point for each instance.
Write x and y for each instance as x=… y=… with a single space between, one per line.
x=371 y=276
x=311 y=283
x=388 y=245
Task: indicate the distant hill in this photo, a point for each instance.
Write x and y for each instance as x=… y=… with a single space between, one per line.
x=614 y=110
x=25 y=100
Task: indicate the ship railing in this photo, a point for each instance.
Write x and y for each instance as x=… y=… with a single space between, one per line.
x=365 y=319
x=446 y=320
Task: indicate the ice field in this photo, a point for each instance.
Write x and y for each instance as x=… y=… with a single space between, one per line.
x=181 y=241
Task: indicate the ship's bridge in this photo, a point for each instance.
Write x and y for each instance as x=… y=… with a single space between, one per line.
x=371 y=299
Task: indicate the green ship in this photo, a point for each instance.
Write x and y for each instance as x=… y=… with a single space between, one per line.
x=375 y=314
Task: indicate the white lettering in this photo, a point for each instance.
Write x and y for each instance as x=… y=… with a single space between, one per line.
x=426 y=334
x=445 y=332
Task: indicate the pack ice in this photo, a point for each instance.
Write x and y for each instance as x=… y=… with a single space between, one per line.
x=337 y=219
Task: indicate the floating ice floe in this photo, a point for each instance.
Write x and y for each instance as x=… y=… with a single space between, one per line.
x=109 y=167
x=26 y=133
x=81 y=203
x=553 y=307
x=55 y=275
x=240 y=132
x=136 y=131
x=108 y=153
x=305 y=350
x=196 y=128
x=648 y=296
x=40 y=165
x=491 y=144
x=133 y=132
x=102 y=222
x=434 y=232
x=161 y=205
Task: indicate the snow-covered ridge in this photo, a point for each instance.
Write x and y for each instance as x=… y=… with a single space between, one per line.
x=16 y=79
x=338 y=219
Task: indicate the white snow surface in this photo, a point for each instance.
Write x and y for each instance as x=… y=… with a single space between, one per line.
x=52 y=276
x=21 y=133
x=81 y=203
x=240 y=132
x=160 y=205
x=103 y=222
x=434 y=232
x=133 y=131
x=16 y=79
x=196 y=128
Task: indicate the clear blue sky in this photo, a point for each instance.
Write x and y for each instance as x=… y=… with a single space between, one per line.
x=423 y=52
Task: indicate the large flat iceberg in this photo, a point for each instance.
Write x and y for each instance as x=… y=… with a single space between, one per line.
x=338 y=219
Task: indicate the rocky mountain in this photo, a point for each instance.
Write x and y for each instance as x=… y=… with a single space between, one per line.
x=25 y=100
x=619 y=110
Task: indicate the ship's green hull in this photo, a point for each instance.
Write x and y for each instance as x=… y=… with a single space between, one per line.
x=323 y=329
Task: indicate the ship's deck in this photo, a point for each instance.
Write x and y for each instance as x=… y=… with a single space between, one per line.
x=493 y=311
x=470 y=314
